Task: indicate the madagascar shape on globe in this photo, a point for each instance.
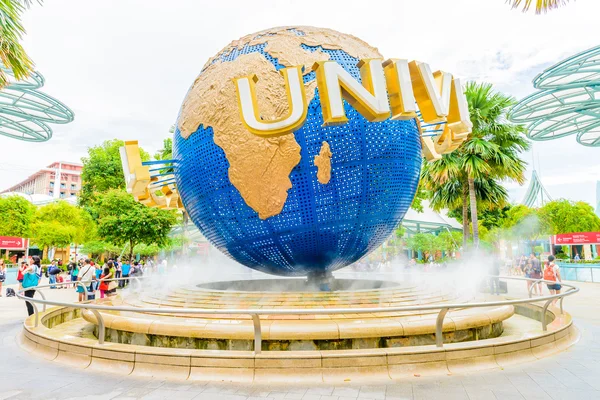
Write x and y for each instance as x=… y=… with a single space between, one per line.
x=259 y=200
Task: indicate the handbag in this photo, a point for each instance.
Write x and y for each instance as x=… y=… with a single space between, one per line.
x=112 y=285
x=30 y=279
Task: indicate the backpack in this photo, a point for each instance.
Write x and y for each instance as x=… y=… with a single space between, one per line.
x=549 y=274
x=10 y=292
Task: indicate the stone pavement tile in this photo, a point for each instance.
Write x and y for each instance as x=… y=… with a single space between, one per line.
x=399 y=391
x=244 y=391
x=214 y=387
x=259 y=393
x=9 y=393
x=137 y=392
x=568 y=394
x=176 y=386
x=439 y=394
x=346 y=392
x=533 y=393
x=545 y=380
x=277 y=395
x=216 y=396
x=480 y=394
x=160 y=394
x=376 y=392
x=296 y=396
x=323 y=391
x=259 y=398
x=311 y=397
x=503 y=395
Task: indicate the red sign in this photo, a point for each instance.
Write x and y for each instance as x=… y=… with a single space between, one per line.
x=13 y=243
x=576 y=238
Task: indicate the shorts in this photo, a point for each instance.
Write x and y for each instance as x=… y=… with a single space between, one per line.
x=80 y=289
x=111 y=291
x=554 y=286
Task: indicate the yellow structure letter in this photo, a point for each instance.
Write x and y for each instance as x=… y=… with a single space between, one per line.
x=402 y=97
x=459 y=120
x=296 y=97
x=369 y=99
x=432 y=91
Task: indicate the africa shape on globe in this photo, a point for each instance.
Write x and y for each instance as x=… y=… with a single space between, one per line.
x=258 y=199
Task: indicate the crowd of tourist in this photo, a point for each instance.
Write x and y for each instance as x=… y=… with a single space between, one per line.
x=531 y=267
x=86 y=276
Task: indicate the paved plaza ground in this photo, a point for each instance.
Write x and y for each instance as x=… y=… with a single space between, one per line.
x=574 y=374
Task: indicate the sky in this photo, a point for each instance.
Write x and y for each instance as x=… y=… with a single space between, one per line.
x=124 y=66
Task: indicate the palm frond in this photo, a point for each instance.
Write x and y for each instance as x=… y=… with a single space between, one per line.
x=540 y=5
x=12 y=54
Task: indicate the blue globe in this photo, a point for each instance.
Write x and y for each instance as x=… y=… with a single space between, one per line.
x=322 y=227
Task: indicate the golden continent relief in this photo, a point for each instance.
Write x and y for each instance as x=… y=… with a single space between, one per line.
x=323 y=164
x=259 y=168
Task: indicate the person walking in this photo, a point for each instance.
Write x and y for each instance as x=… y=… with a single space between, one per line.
x=31 y=278
x=74 y=274
x=103 y=284
x=552 y=274
x=535 y=272
x=86 y=276
x=2 y=274
x=52 y=274
x=21 y=272
x=125 y=269
x=112 y=285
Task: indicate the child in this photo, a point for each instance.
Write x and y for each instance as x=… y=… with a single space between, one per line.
x=60 y=279
x=103 y=284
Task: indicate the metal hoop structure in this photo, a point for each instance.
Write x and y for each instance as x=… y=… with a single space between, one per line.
x=26 y=112
x=568 y=102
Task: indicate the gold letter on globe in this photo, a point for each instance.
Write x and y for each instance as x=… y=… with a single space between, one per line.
x=296 y=97
x=402 y=97
x=335 y=83
x=432 y=91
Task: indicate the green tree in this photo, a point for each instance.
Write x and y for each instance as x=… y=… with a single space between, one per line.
x=426 y=243
x=124 y=221
x=449 y=241
x=102 y=171
x=566 y=216
x=12 y=54
x=525 y=223
x=491 y=154
x=61 y=224
x=16 y=214
x=166 y=153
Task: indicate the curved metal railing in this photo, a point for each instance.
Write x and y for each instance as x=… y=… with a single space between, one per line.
x=256 y=313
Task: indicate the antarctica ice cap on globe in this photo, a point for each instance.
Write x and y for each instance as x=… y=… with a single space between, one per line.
x=298 y=150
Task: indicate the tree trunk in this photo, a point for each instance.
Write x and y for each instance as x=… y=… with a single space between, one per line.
x=45 y=253
x=465 y=216
x=131 y=252
x=473 y=201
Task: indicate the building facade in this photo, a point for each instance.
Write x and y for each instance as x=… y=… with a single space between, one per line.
x=59 y=180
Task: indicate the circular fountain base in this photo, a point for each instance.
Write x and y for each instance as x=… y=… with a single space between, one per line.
x=294 y=331
x=314 y=345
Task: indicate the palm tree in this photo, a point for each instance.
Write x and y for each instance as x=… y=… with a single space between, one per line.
x=12 y=54
x=473 y=172
x=540 y=5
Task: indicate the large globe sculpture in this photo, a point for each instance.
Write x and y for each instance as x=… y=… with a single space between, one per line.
x=259 y=200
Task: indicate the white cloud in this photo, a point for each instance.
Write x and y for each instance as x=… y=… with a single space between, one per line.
x=124 y=66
